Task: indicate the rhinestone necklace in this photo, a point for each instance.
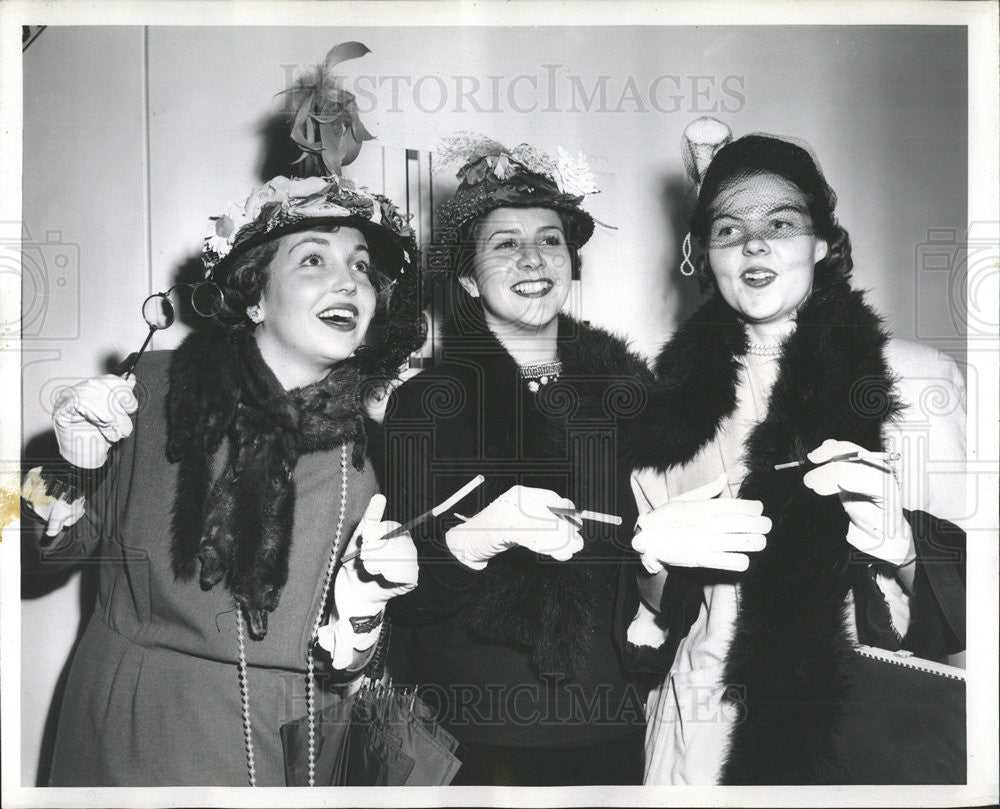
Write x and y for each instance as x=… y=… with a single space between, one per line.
x=540 y=373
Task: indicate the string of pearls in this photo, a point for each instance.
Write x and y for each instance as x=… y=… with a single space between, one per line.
x=328 y=578
x=245 y=698
x=764 y=349
x=310 y=666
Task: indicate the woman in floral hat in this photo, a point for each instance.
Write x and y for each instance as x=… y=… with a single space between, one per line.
x=784 y=388
x=230 y=470
x=518 y=622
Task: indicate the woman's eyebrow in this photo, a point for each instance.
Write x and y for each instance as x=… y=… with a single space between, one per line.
x=505 y=231
x=310 y=239
x=782 y=206
x=787 y=206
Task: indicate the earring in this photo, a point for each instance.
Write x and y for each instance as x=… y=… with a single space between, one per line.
x=254 y=313
x=687 y=268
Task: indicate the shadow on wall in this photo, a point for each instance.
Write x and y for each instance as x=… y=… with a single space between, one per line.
x=278 y=150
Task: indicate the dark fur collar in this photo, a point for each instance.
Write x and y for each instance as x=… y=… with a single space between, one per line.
x=239 y=527
x=787 y=660
x=585 y=350
x=547 y=608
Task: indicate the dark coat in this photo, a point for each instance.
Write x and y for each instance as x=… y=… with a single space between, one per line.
x=526 y=622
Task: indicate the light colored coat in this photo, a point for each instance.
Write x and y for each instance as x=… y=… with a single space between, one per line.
x=688 y=722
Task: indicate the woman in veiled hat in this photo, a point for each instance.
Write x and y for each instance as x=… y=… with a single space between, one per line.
x=237 y=467
x=784 y=388
x=517 y=626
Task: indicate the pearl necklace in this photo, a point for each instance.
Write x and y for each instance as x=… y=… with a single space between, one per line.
x=540 y=373
x=763 y=349
x=310 y=676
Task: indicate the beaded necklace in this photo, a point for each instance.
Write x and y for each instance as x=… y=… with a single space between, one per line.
x=763 y=349
x=310 y=666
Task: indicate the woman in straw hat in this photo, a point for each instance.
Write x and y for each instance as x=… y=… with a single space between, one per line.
x=525 y=590
x=237 y=466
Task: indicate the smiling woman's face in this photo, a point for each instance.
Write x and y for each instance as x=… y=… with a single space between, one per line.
x=522 y=269
x=762 y=247
x=317 y=304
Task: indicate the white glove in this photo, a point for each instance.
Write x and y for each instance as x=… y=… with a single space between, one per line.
x=92 y=415
x=695 y=530
x=58 y=514
x=520 y=516
x=383 y=569
x=870 y=494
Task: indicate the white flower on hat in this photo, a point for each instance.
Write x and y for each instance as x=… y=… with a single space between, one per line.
x=574 y=175
x=223 y=229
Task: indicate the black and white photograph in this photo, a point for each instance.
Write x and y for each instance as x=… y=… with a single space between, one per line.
x=538 y=403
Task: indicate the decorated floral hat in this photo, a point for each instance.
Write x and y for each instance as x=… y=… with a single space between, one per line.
x=286 y=205
x=492 y=176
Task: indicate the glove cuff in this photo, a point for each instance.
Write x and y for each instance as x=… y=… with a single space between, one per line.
x=64 y=481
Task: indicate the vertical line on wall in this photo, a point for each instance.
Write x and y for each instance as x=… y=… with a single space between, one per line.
x=147 y=173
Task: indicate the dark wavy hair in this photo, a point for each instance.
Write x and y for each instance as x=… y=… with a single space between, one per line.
x=755 y=155
x=398 y=309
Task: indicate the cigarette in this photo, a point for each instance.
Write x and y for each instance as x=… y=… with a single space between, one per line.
x=597 y=516
x=576 y=516
x=477 y=481
x=863 y=455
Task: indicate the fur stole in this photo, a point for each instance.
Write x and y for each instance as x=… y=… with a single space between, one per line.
x=239 y=528
x=786 y=664
x=520 y=599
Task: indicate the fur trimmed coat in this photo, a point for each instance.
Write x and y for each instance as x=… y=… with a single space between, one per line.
x=787 y=658
x=527 y=637
x=152 y=696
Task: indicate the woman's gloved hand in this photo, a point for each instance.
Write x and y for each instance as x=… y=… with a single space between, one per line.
x=870 y=494
x=382 y=570
x=57 y=513
x=91 y=416
x=520 y=516
x=698 y=529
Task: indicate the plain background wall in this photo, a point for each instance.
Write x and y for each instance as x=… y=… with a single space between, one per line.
x=133 y=137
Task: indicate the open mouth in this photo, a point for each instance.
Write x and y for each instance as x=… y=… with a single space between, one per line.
x=533 y=289
x=343 y=316
x=757 y=277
